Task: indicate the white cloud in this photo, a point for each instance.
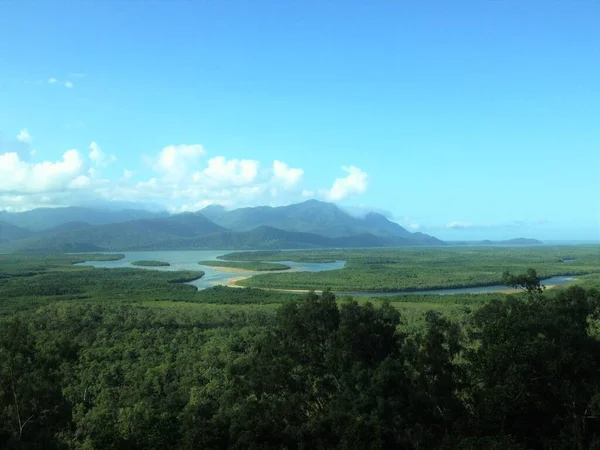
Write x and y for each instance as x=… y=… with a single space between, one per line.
x=177 y=161
x=98 y=157
x=288 y=176
x=353 y=183
x=409 y=224
x=24 y=136
x=457 y=225
x=68 y=84
x=81 y=182
x=179 y=178
x=52 y=80
x=18 y=176
x=229 y=172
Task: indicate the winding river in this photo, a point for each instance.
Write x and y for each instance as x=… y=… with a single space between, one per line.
x=188 y=260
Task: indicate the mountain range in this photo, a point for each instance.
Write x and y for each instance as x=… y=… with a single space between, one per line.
x=311 y=224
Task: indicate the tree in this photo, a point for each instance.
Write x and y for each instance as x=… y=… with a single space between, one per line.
x=529 y=282
x=534 y=368
x=32 y=407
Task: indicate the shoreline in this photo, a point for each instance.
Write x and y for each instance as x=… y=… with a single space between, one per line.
x=253 y=272
x=231 y=282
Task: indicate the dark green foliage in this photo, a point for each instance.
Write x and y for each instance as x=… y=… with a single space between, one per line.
x=529 y=281
x=535 y=369
x=32 y=407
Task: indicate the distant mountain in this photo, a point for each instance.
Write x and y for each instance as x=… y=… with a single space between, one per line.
x=65 y=227
x=9 y=232
x=311 y=224
x=520 y=241
x=516 y=241
x=45 y=218
x=311 y=216
x=120 y=236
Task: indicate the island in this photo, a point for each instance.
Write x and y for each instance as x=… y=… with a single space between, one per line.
x=150 y=263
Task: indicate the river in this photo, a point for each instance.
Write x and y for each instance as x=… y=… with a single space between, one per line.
x=188 y=260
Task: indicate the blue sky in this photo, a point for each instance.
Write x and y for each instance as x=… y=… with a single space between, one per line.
x=474 y=119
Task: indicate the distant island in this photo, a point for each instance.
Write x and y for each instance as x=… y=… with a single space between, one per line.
x=516 y=241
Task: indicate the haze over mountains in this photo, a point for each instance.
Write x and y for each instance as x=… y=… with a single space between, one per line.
x=311 y=224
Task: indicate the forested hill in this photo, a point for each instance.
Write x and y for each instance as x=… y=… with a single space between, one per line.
x=10 y=232
x=273 y=238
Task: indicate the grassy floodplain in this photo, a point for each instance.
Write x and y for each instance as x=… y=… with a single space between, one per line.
x=250 y=266
x=410 y=269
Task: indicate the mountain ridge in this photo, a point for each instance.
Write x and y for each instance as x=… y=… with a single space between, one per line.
x=311 y=216
x=309 y=224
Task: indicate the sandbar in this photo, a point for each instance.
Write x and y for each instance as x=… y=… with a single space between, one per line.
x=231 y=269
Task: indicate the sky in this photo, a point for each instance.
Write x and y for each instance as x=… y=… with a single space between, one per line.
x=464 y=119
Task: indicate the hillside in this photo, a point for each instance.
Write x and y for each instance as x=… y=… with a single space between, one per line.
x=312 y=216
x=46 y=218
x=9 y=232
x=268 y=238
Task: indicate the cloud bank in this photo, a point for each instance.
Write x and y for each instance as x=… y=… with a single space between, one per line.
x=179 y=177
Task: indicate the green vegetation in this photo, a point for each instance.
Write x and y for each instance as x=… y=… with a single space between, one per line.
x=409 y=269
x=150 y=263
x=126 y=358
x=254 y=266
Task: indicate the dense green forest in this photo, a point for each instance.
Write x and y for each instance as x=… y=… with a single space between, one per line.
x=137 y=359
x=410 y=269
x=256 y=266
